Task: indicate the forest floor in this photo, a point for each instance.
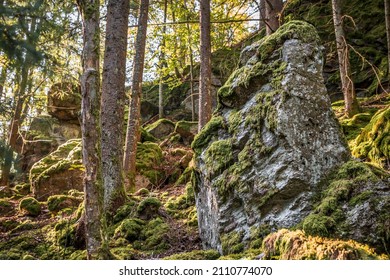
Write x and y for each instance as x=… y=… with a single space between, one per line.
x=155 y=223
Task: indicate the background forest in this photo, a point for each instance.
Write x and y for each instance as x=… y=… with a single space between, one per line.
x=116 y=116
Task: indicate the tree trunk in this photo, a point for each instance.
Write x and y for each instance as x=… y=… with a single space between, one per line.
x=351 y=104
x=113 y=104
x=261 y=6
x=3 y=79
x=273 y=9
x=205 y=106
x=189 y=35
x=90 y=125
x=162 y=65
x=133 y=124
x=387 y=17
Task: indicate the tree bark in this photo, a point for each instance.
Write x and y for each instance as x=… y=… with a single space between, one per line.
x=132 y=135
x=351 y=104
x=113 y=104
x=162 y=65
x=90 y=126
x=205 y=106
x=193 y=110
x=387 y=18
x=3 y=79
x=273 y=9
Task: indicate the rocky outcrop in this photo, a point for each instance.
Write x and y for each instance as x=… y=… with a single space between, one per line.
x=59 y=172
x=64 y=102
x=273 y=139
x=46 y=133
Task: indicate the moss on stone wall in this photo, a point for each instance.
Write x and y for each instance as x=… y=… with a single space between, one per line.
x=373 y=143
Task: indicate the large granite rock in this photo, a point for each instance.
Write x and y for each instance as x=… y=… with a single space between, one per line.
x=272 y=140
x=58 y=172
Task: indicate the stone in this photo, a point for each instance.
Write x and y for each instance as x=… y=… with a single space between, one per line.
x=271 y=141
x=64 y=102
x=45 y=134
x=161 y=129
x=187 y=130
x=59 y=172
x=148 y=111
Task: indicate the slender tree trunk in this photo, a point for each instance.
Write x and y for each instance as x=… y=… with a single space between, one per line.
x=15 y=124
x=113 y=104
x=387 y=17
x=351 y=104
x=90 y=126
x=261 y=7
x=273 y=9
x=162 y=65
x=133 y=124
x=189 y=35
x=205 y=106
x=3 y=79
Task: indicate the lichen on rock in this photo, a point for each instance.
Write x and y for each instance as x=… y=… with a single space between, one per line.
x=271 y=141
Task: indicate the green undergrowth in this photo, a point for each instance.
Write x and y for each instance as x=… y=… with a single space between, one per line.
x=182 y=207
x=295 y=245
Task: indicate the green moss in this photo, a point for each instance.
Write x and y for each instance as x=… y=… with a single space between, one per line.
x=206 y=134
x=67 y=156
x=345 y=188
x=56 y=203
x=22 y=189
x=373 y=143
x=30 y=206
x=130 y=229
x=156 y=235
x=6 y=207
x=195 y=255
x=146 y=136
x=219 y=155
x=318 y=225
x=148 y=207
x=295 y=245
x=186 y=128
x=149 y=159
x=125 y=211
x=151 y=127
x=231 y=242
x=244 y=81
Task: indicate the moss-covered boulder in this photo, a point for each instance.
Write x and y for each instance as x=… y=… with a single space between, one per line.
x=59 y=202
x=149 y=161
x=45 y=134
x=373 y=143
x=59 y=172
x=272 y=140
x=187 y=131
x=161 y=128
x=30 y=206
x=354 y=204
x=295 y=245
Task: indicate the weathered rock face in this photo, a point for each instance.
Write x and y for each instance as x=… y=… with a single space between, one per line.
x=272 y=140
x=64 y=102
x=59 y=172
x=44 y=136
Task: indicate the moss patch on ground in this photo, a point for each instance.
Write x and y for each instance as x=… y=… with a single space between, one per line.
x=295 y=245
